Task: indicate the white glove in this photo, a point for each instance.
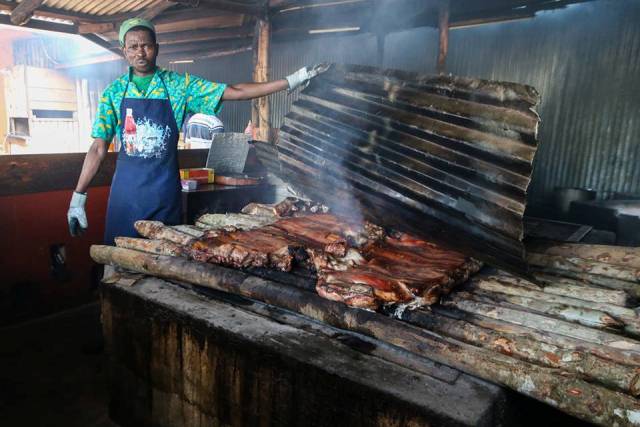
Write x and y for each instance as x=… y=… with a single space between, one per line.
x=298 y=78
x=76 y=216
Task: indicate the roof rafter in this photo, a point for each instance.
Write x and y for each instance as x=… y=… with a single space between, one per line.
x=21 y=14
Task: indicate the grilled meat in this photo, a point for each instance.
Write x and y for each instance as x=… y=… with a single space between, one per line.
x=290 y=206
x=355 y=263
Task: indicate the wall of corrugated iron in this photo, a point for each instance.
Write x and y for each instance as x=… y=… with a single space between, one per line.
x=585 y=62
x=290 y=56
x=228 y=69
x=101 y=8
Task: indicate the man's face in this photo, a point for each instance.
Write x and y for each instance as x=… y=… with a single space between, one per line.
x=140 y=51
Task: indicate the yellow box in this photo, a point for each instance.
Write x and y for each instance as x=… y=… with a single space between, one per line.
x=202 y=175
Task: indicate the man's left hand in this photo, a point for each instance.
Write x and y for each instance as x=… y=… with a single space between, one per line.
x=304 y=74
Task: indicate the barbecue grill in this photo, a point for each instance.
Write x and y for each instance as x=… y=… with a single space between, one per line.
x=443 y=158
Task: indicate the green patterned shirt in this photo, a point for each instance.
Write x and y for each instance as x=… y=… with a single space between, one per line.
x=186 y=92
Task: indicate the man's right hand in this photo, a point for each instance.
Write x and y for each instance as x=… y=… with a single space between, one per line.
x=76 y=216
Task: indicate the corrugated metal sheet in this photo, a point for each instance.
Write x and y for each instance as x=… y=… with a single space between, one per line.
x=101 y=8
x=437 y=156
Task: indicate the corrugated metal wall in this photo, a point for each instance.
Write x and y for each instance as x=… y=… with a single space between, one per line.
x=228 y=69
x=585 y=61
x=288 y=57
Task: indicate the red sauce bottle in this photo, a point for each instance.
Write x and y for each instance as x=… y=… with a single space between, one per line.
x=129 y=132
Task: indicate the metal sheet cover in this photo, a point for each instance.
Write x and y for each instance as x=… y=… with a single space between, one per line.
x=443 y=157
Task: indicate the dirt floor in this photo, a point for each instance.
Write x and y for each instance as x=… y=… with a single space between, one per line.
x=53 y=371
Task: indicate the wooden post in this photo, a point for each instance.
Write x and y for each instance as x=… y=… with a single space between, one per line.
x=260 y=106
x=443 y=28
x=380 y=39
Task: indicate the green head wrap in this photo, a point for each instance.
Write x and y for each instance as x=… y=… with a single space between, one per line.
x=134 y=22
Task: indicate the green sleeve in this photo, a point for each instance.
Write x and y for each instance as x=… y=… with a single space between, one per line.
x=204 y=96
x=106 y=119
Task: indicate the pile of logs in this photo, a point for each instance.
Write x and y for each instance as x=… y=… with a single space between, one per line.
x=600 y=266
x=570 y=340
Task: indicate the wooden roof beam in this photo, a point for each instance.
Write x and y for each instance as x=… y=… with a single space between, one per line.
x=290 y=5
x=205 y=35
x=191 y=48
x=96 y=28
x=156 y=10
x=206 y=54
x=236 y=7
x=21 y=14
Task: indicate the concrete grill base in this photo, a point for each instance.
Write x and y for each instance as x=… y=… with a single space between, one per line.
x=178 y=358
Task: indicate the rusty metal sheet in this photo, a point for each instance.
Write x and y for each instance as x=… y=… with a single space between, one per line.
x=445 y=157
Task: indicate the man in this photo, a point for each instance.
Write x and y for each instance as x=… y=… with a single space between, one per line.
x=144 y=109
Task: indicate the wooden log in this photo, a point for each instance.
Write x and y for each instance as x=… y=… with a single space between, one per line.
x=568 y=288
x=240 y=221
x=592 y=368
x=583 y=316
x=157 y=230
x=24 y=11
x=191 y=230
x=617 y=356
x=606 y=282
x=625 y=315
x=374 y=347
x=560 y=389
x=159 y=247
x=162 y=247
x=580 y=265
x=260 y=106
x=617 y=255
x=466 y=302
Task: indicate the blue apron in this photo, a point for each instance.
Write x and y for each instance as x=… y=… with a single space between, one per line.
x=146 y=183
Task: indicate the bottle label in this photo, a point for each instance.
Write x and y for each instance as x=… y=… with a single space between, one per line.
x=145 y=138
